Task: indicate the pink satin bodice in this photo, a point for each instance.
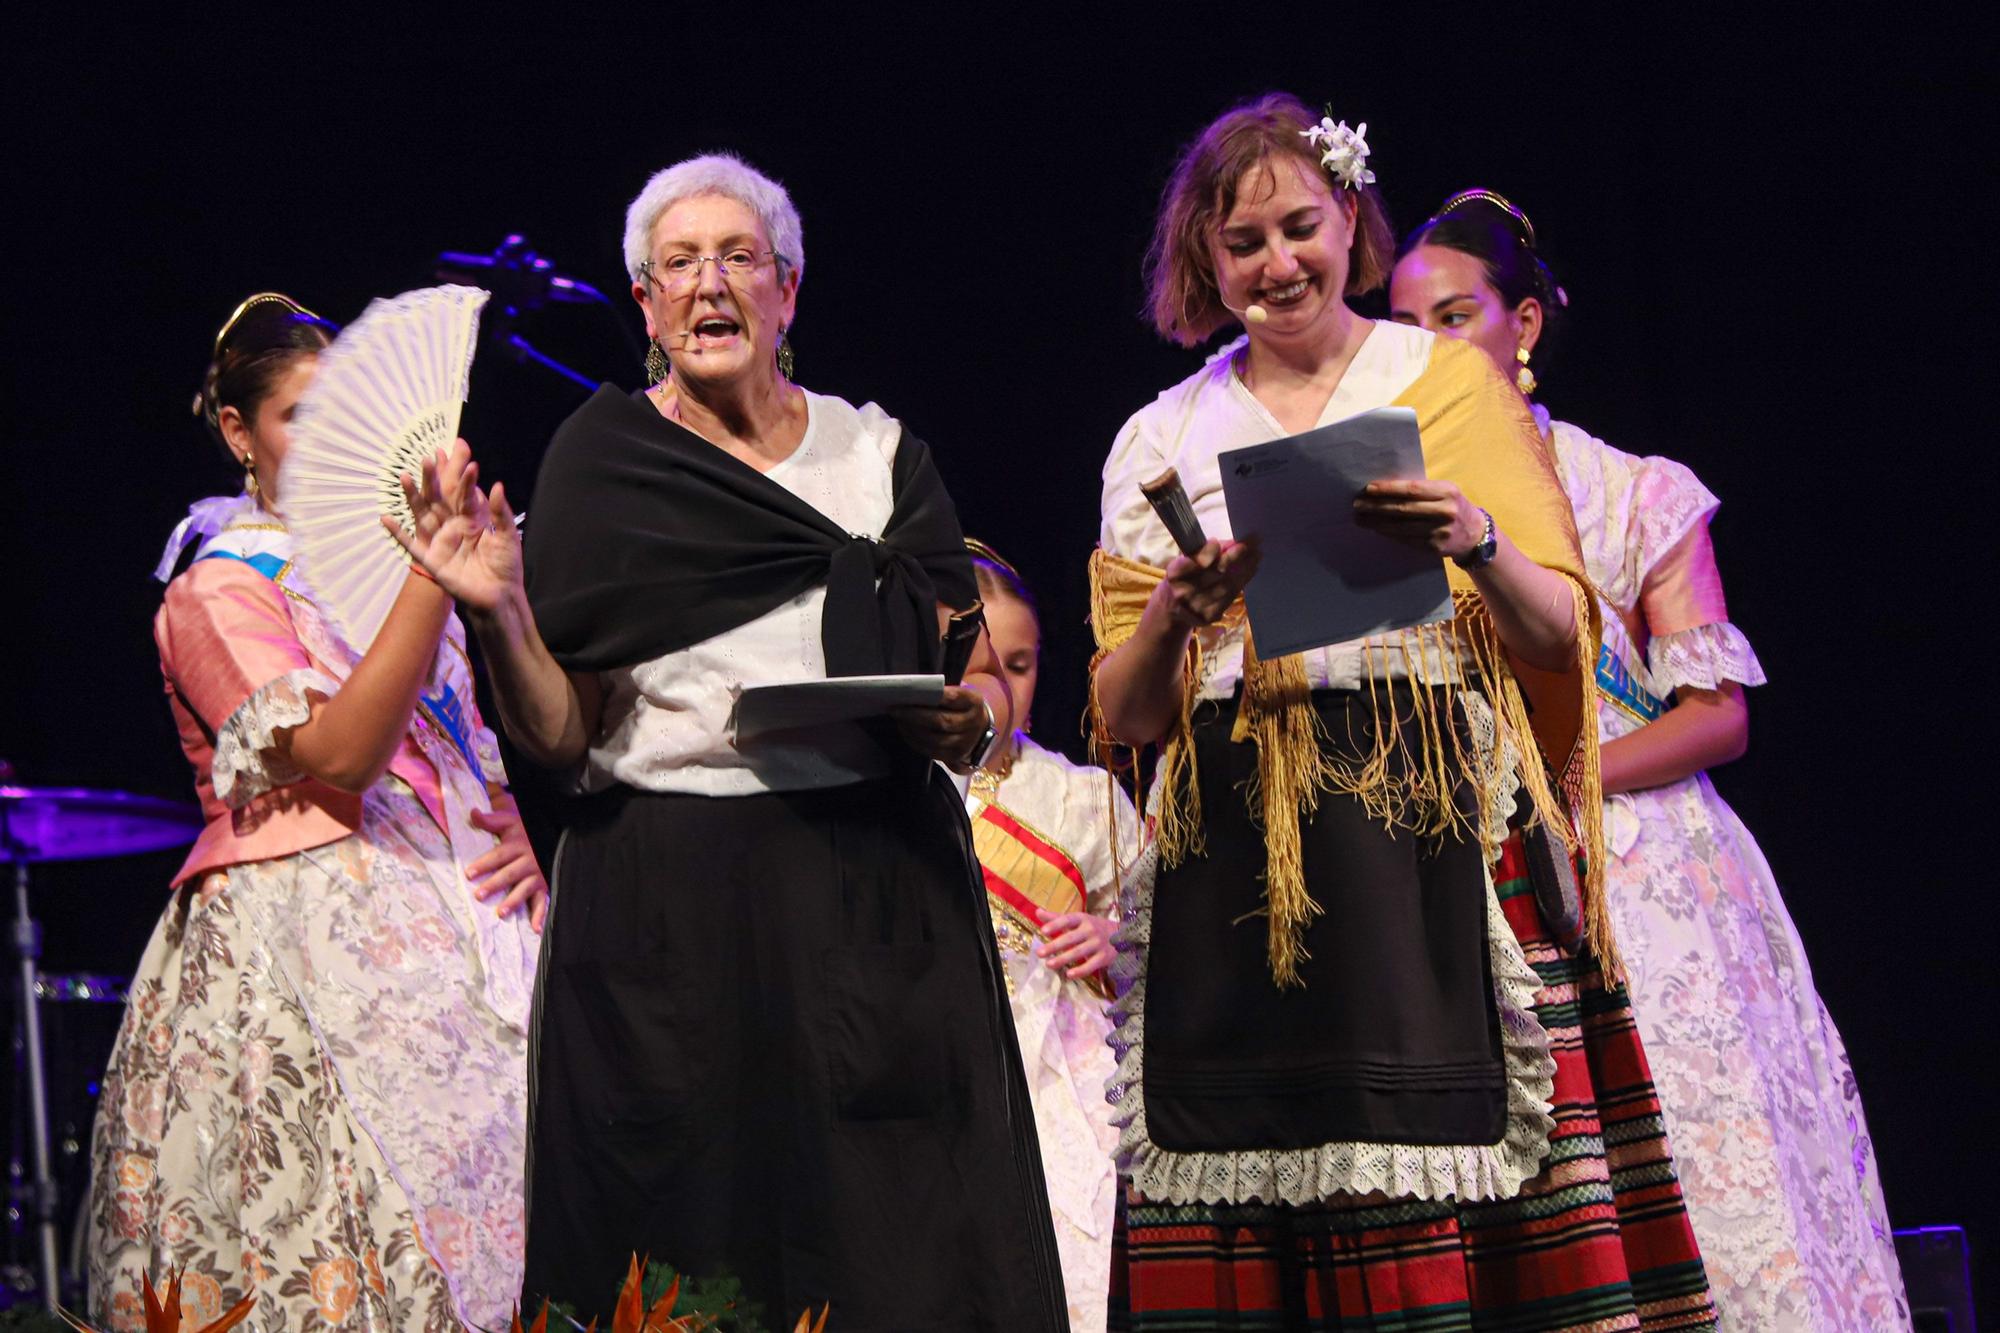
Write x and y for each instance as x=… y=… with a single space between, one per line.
x=225 y=632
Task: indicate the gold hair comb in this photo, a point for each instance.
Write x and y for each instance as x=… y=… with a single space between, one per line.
x=249 y=304
x=985 y=552
x=1495 y=198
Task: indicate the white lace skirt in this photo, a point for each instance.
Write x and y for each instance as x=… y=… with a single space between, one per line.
x=1761 y=1103
x=1063 y=1031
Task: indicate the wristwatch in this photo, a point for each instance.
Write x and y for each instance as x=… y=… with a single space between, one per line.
x=984 y=745
x=1481 y=555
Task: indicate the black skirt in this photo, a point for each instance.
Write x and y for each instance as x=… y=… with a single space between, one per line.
x=772 y=1042
x=1394 y=1037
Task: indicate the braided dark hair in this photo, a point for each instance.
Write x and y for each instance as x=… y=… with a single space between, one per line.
x=261 y=340
x=1487 y=226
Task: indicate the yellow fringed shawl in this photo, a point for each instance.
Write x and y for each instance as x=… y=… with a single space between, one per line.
x=1477 y=433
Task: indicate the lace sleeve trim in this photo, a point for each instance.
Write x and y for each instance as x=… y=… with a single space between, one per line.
x=247 y=760
x=1702 y=658
x=1300 y=1176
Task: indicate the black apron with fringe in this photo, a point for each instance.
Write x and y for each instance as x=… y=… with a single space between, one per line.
x=1393 y=1038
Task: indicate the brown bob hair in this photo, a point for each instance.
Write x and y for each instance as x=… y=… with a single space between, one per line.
x=1182 y=299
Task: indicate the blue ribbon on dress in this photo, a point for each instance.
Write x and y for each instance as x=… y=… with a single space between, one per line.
x=448 y=711
x=204 y=518
x=270 y=566
x=1615 y=682
x=445 y=708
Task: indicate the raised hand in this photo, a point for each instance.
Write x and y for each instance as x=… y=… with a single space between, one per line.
x=463 y=539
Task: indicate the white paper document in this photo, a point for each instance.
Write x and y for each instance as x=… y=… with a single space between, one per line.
x=1324 y=578
x=816 y=703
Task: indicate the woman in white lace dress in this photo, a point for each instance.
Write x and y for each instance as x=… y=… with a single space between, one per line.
x=1773 y=1150
x=1043 y=829
x=317 y=1098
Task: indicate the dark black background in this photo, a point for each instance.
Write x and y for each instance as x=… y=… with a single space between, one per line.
x=1762 y=229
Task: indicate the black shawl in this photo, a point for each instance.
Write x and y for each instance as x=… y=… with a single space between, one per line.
x=647 y=539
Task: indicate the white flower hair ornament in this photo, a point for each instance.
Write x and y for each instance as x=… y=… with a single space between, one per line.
x=1343 y=152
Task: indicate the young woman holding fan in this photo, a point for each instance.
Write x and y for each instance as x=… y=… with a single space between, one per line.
x=316 y=1097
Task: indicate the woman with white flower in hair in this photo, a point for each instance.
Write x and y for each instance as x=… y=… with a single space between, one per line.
x=1372 y=1072
x=772 y=1038
x=1774 y=1151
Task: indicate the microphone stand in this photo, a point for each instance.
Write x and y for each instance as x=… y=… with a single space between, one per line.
x=524 y=351
x=522 y=282
x=39 y=1191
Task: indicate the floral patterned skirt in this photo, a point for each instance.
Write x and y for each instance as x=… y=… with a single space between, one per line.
x=309 y=1101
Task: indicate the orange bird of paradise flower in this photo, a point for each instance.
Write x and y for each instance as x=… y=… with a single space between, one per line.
x=632 y=1316
x=165 y=1316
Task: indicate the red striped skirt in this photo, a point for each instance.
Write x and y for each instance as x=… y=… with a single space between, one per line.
x=1599 y=1241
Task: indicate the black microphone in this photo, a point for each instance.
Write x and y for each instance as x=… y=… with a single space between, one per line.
x=519 y=279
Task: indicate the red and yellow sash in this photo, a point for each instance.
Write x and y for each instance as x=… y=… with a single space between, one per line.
x=1028 y=877
x=1025 y=872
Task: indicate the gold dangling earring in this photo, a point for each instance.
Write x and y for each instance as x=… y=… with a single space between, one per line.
x=1524 y=377
x=249 y=476
x=657 y=365
x=785 y=361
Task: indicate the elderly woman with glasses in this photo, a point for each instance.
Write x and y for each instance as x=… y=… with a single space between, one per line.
x=772 y=1037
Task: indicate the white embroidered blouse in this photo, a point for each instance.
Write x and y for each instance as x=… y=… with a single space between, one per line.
x=1189 y=425
x=666 y=724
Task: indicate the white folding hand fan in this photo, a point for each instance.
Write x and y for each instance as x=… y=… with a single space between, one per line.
x=387 y=396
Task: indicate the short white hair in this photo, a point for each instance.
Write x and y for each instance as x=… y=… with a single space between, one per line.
x=714 y=173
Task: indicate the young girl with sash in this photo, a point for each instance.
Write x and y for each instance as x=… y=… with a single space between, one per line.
x=1369 y=1076
x=1054 y=841
x=1773 y=1147
x=316 y=1099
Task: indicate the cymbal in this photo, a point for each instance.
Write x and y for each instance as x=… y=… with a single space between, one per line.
x=77 y=824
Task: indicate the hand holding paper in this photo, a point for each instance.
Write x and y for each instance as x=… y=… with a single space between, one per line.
x=948 y=729
x=1429 y=515
x=1327 y=576
x=801 y=704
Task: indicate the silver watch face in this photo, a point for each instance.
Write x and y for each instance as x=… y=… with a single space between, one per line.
x=983 y=748
x=1489 y=546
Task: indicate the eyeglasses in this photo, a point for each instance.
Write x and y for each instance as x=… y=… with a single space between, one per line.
x=676 y=275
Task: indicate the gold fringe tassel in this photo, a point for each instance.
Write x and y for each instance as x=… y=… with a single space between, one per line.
x=1292 y=770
